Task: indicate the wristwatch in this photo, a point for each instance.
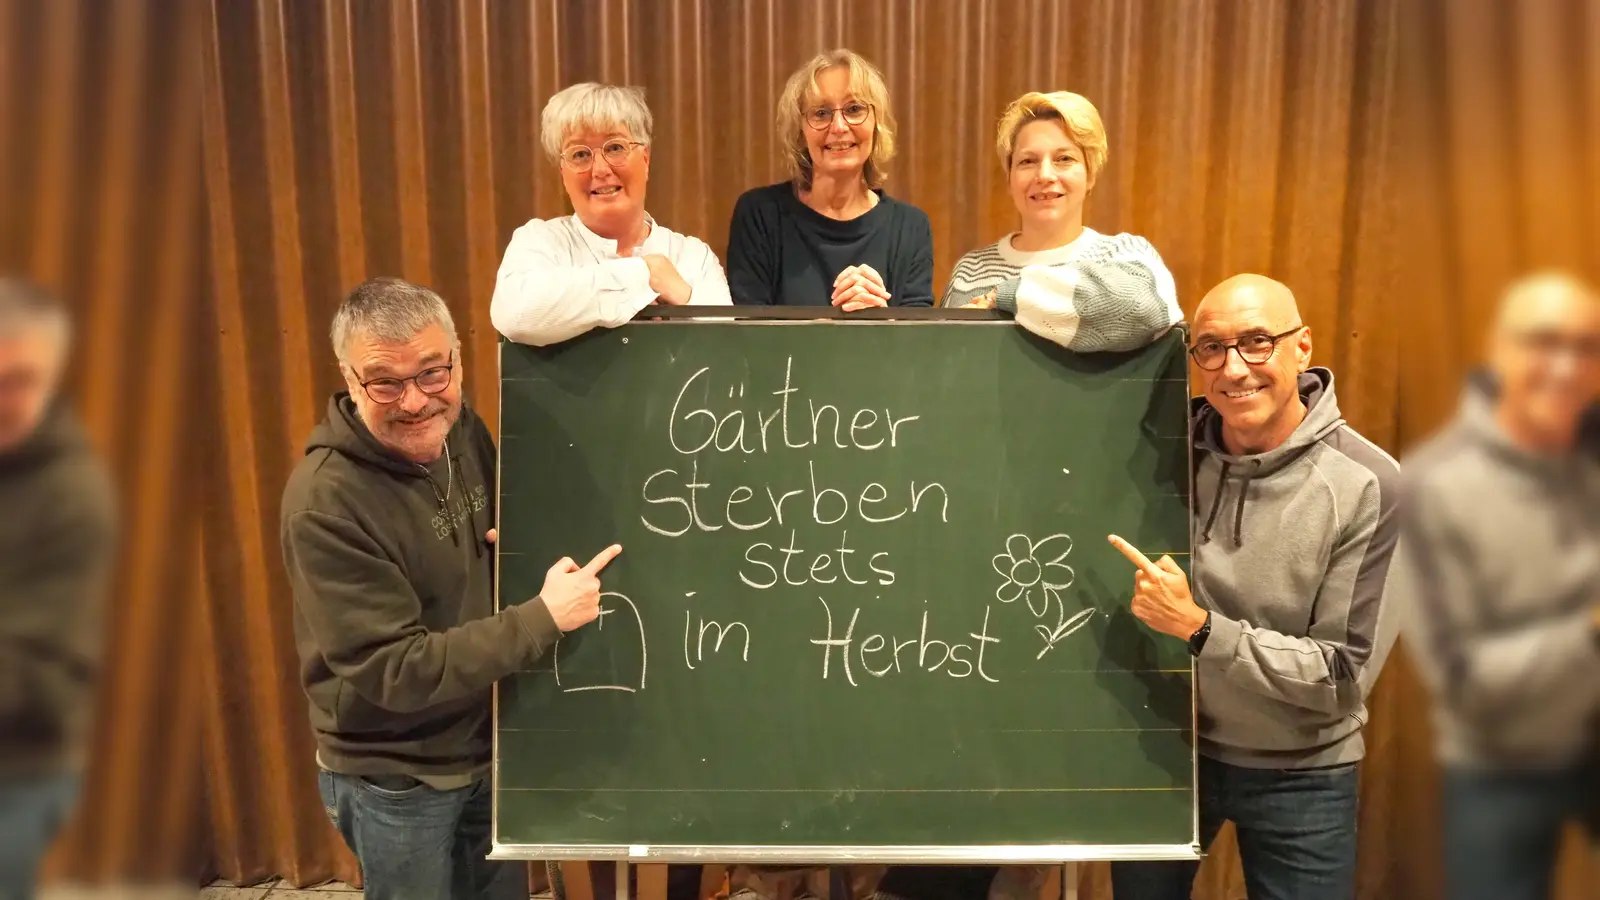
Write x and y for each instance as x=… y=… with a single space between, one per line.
x=1197 y=641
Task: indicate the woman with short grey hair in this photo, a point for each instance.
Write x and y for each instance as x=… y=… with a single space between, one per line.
x=607 y=261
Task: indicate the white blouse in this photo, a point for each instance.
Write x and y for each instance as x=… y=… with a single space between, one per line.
x=559 y=279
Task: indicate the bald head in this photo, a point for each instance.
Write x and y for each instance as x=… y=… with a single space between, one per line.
x=1251 y=347
x=1545 y=351
x=1271 y=298
x=1547 y=301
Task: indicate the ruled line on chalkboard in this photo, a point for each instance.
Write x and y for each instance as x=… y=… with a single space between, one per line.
x=1026 y=672
x=842 y=790
x=1082 y=730
x=1088 y=672
x=508 y=728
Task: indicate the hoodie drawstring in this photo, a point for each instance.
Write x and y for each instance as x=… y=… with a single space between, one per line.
x=1238 y=515
x=1216 y=503
x=1238 y=512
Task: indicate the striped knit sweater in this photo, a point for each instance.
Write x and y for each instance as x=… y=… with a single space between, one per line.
x=1099 y=293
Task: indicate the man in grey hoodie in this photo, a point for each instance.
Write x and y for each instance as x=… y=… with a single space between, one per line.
x=1296 y=529
x=1502 y=536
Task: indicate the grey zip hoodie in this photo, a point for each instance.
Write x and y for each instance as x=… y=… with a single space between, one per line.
x=1503 y=566
x=1292 y=559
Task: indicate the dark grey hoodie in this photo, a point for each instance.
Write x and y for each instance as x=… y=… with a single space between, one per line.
x=1505 y=549
x=1292 y=558
x=394 y=615
x=57 y=551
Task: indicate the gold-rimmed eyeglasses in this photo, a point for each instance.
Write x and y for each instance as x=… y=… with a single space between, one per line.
x=581 y=159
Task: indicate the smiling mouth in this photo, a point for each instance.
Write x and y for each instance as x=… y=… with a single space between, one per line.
x=1046 y=195
x=845 y=147
x=607 y=191
x=1241 y=395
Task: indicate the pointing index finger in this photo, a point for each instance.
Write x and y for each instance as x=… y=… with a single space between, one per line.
x=602 y=559
x=1133 y=555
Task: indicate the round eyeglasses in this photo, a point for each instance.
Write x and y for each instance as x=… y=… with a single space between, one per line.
x=1254 y=349
x=581 y=158
x=821 y=117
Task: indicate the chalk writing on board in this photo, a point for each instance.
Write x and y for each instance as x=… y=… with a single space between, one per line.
x=693 y=428
x=699 y=643
x=631 y=685
x=1036 y=571
x=957 y=660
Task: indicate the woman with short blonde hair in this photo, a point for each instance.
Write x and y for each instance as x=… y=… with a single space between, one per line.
x=830 y=234
x=607 y=261
x=1085 y=290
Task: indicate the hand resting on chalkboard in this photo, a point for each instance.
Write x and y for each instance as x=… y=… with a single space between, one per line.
x=572 y=593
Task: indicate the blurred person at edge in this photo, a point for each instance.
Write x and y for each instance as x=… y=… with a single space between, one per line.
x=1502 y=530
x=57 y=549
x=385 y=535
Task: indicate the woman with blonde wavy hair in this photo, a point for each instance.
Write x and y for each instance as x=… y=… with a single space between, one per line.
x=1064 y=281
x=830 y=234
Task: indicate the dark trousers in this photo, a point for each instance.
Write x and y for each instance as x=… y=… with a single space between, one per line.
x=32 y=812
x=1296 y=828
x=1502 y=831
x=418 y=843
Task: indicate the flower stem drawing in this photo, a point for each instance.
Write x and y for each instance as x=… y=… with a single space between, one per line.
x=1036 y=571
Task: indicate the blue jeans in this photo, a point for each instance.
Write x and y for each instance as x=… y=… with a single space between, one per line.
x=32 y=811
x=1502 y=831
x=418 y=842
x=1296 y=828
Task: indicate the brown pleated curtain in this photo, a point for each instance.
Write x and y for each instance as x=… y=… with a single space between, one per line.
x=1394 y=161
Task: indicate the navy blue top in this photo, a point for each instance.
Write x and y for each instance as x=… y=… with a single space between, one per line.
x=783 y=252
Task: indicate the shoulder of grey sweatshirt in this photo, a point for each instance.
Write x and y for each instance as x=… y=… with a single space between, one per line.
x=1502 y=579
x=1293 y=561
x=1115 y=294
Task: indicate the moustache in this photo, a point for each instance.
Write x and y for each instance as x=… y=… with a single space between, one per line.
x=428 y=412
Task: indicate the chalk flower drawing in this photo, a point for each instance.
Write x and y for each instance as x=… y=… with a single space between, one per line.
x=1037 y=572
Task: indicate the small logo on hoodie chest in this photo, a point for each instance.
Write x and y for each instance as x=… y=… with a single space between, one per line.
x=459 y=512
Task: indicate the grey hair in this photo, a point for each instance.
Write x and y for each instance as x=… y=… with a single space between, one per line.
x=27 y=306
x=602 y=107
x=389 y=310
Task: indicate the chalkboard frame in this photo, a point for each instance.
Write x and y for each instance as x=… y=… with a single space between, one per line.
x=827 y=855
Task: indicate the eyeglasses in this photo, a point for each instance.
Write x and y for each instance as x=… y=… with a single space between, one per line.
x=431 y=380
x=821 y=118
x=581 y=159
x=1254 y=349
x=1551 y=343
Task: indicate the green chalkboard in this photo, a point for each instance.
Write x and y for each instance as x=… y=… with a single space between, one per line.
x=865 y=606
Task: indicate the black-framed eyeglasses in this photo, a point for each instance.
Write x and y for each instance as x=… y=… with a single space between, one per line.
x=821 y=117
x=431 y=380
x=1254 y=349
x=581 y=158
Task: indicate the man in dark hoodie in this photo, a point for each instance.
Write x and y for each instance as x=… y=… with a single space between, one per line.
x=1502 y=520
x=386 y=527
x=1296 y=529
x=56 y=555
